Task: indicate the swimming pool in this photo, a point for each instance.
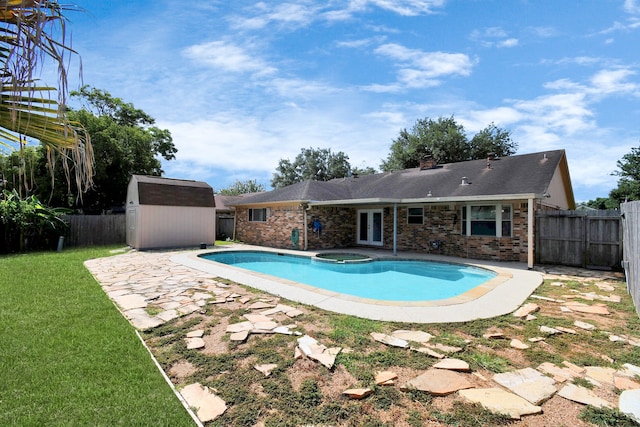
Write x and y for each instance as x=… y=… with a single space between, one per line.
x=386 y=280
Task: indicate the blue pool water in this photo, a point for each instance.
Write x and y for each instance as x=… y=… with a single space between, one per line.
x=389 y=280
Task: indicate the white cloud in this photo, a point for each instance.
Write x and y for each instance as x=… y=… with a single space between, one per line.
x=360 y=42
x=493 y=36
x=226 y=56
x=301 y=13
x=409 y=7
x=476 y=120
x=544 y=32
x=607 y=82
x=419 y=69
x=631 y=6
x=630 y=25
x=510 y=42
x=578 y=60
x=286 y=15
x=567 y=113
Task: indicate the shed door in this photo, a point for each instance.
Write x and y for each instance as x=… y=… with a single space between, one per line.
x=131 y=227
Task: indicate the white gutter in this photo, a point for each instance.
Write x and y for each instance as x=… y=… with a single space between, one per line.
x=458 y=199
x=390 y=201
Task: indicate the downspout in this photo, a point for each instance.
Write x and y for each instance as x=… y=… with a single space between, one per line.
x=304 y=225
x=395 y=229
x=235 y=222
x=531 y=225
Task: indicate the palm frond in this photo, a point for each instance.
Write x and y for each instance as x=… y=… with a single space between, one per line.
x=32 y=32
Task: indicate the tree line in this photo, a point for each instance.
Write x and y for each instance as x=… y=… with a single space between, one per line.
x=126 y=142
x=83 y=159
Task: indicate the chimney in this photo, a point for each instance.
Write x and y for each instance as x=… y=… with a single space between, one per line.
x=428 y=162
x=465 y=181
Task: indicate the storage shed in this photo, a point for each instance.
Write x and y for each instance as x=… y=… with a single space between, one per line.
x=169 y=213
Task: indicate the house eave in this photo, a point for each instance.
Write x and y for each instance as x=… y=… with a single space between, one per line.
x=426 y=200
x=471 y=199
x=268 y=204
x=390 y=201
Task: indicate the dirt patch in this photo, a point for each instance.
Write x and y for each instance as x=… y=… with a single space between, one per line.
x=181 y=370
x=236 y=378
x=216 y=339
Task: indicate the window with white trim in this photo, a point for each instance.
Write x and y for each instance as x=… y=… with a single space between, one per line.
x=415 y=215
x=258 y=215
x=487 y=220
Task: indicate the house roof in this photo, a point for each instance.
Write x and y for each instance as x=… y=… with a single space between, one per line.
x=224 y=203
x=521 y=176
x=154 y=190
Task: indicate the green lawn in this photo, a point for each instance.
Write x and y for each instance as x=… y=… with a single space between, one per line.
x=67 y=356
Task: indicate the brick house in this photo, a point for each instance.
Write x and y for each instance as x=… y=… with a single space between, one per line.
x=479 y=209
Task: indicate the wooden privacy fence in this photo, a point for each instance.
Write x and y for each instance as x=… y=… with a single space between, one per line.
x=630 y=212
x=224 y=227
x=95 y=230
x=588 y=239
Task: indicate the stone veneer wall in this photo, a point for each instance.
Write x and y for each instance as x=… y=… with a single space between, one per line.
x=275 y=232
x=441 y=222
x=444 y=223
x=338 y=228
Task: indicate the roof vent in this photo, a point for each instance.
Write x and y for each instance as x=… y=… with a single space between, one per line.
x=465 y=181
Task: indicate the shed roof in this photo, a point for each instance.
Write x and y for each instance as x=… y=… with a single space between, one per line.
x=524 y=175
x=154 y=190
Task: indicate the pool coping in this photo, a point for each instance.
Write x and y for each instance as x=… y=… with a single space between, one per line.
x=500 y=295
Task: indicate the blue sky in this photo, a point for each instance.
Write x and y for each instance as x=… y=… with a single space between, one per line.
x=241 y=84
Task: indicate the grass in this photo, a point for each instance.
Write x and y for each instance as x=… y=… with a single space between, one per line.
x=68 y=357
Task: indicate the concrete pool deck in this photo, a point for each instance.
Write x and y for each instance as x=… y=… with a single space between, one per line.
x=501 y=295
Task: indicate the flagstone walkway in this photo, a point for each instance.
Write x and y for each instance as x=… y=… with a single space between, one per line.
x=151 y=288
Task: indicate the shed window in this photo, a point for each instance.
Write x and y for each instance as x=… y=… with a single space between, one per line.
x=258 y=215
x=487 y=220
x=415 y=215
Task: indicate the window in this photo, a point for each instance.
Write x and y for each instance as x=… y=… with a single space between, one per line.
x=486 y=220
x=415 y=215
x=258 y=215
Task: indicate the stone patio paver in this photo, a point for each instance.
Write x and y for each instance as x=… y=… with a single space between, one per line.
x=208 y=406
x=438 y=382
x=138 y=281
x=582 y=395
x=500 y=401
x=528 y=383
x=629 y=404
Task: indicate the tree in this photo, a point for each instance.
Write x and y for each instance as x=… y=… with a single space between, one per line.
x=492 y=140
x=31 y=35
x=125 y=143
x=367 y=170
x=243 y=187
x=19 y=169
x=629 y=182
x=446 y=141
x=316 y=164
x=602 y=203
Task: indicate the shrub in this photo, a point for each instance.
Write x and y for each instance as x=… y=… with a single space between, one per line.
x=27 y=224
